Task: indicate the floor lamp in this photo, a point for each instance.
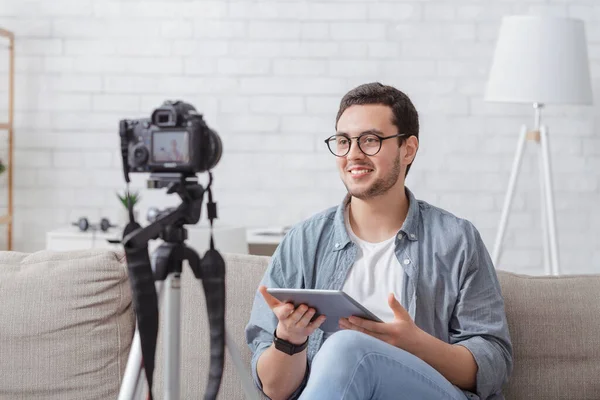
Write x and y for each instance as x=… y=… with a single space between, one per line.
x=538 y=60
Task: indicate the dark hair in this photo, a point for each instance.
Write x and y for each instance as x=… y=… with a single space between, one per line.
x=405 y=116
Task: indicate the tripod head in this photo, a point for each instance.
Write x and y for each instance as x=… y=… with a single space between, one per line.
x=169 y=223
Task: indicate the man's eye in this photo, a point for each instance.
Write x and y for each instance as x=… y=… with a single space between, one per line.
x=343 y=141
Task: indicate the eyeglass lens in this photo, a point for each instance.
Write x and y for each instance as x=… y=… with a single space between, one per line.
x=340 y=144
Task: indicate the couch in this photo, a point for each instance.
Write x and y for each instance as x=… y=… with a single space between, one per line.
x=67 y=324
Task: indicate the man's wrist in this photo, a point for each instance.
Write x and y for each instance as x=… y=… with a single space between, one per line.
x=288 y=347
x=421 y=341
x=282 y=334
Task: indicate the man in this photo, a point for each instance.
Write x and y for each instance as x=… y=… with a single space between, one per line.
x=423 y=271
x=175 y=154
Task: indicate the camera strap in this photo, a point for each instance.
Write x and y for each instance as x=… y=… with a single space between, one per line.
x=211 y=209
x=213 y=281
x=145 y=299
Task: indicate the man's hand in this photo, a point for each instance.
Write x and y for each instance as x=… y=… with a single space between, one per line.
x=294 y=325
x=402 y=332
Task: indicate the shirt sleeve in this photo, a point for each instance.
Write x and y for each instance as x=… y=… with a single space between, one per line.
x=263 y=322
x=479 y=322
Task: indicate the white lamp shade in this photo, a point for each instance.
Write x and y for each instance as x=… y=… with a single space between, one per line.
x=540 y=60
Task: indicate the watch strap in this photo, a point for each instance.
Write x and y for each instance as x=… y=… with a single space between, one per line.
x=287 y=347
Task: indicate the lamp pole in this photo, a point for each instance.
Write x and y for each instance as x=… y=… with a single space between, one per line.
x=549 y=236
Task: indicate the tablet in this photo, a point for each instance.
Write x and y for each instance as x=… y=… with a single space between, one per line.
x=334 y=304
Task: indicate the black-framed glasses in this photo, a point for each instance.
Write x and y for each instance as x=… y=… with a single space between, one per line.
x=369 y=143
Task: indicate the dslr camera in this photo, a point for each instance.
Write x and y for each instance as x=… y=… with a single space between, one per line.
x=175 y=139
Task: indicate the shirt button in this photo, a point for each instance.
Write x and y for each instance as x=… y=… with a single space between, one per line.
x=400 y=236
x=412 y=236
x=337 y=245
x=406 y=261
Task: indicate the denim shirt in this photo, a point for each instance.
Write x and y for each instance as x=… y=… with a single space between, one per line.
x=450 y=288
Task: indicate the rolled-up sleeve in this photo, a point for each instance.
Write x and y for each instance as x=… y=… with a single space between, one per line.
x=479 y=322
x=263 y=322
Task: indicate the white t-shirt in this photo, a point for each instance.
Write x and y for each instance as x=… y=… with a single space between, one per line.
x=374 y=275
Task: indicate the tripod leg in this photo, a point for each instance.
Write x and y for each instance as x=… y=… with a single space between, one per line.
x=172 y=336
x=134 y=386
x=549 y=198
x=509 y=196
x=133 y=377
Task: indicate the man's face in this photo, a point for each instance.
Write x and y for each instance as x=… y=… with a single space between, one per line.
x=370 y=176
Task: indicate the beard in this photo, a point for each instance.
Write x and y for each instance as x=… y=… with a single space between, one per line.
x=380 y=186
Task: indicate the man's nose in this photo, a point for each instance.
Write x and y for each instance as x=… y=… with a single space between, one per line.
x=355 y=152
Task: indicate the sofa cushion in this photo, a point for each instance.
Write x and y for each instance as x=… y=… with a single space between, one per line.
x=66 y=324
x=554 y=324
x=553 y=321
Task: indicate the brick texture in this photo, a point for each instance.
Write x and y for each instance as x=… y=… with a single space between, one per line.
x=268 y=76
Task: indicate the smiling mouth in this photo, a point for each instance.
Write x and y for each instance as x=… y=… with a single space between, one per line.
x=359 y=172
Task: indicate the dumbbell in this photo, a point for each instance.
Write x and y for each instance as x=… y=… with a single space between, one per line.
x=83 y=224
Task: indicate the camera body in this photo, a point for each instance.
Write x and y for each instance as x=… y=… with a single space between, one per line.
x=174 y=139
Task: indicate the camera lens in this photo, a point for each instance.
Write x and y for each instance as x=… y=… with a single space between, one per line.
x=214 y=151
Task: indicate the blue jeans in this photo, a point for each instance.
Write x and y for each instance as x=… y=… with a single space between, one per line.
x=353 y=365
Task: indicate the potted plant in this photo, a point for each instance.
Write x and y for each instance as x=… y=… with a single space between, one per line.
x=128 y=198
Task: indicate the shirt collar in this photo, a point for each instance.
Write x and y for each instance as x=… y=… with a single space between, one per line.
x=409 y=227
x=411 y=224
x=340 y=234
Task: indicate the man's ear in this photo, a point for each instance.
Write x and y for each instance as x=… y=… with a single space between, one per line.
x=411 y=145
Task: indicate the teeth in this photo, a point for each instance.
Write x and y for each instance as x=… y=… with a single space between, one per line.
x=359 y=171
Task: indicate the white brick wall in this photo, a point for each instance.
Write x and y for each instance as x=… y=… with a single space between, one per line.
x=268 y=75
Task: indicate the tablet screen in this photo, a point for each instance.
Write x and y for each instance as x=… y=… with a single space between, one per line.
x=334 y=304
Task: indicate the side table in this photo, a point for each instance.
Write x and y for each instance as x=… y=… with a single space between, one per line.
x=228 y=239
x=264 y=241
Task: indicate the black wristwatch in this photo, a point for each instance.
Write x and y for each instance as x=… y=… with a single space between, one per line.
x=287 y=347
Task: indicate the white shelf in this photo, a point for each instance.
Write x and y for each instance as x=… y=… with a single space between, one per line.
x=272 y=236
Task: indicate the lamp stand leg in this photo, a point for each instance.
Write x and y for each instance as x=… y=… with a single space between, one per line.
x=509 y=195
x=549 y=199
x=544 y=214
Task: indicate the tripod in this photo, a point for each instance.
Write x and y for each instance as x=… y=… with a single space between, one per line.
x=163 y=276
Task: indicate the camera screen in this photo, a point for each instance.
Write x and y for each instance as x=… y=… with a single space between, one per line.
x=170 y=146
